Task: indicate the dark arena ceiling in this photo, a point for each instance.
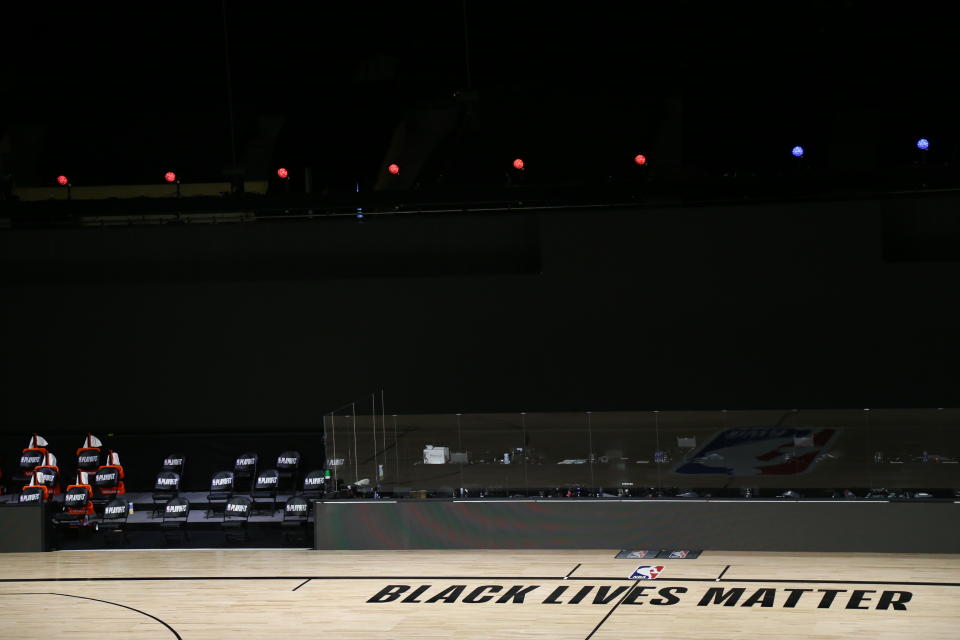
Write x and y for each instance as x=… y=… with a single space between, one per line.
x=453 y=92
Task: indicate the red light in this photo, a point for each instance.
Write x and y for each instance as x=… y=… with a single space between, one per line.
x=170 y=176
x=394 y=169
x=640 y=159
x=62 y=181
x=518 y=164
x=283 y=173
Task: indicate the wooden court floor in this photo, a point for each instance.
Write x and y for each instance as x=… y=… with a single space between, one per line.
x=290 y=593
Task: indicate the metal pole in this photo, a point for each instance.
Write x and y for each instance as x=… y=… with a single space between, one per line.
x=356 y=460
x=396 y=447
x=326 y=458
x=656 y=462
x=866 y=419
x=590 y=439
x=523 y=429
x=333 y=429
x=461 y=452
x=383 y=426
x=373 y=418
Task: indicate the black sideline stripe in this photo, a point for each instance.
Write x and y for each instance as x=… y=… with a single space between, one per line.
x=572 y=570
x=507 y=578
x=722 y=572
x=116 y=604
x=302 y=583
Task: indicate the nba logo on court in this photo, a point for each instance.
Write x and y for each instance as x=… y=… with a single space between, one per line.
x=646 y=572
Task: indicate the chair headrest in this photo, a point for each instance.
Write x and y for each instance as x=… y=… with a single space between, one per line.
x=88 y=459
x=36 y=441
x=268 y=478
x=173 y=461
x=46 y=476
x=221 y=480
x=91 y=441
x=314 y=479
x=113 y=458
x=245 y=460
x=31 y=459
x=76 y=496
x=106 y=476
x=296 y=505
x=115 y=509
x=167 y=479
x=32 y=494
x=238 y=505
x=177 y=507
x=288 y=459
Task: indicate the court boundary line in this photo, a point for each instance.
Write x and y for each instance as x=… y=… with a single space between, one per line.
x=134 y=549
x=508 y=578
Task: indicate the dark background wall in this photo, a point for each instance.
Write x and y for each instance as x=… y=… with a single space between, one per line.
x=261 y=326
x=727 y=526
x=22 y=528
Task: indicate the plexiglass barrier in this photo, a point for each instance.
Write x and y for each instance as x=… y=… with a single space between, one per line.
x=880 y=453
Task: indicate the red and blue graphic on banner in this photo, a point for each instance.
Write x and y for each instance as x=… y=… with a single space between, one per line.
x=756 y=451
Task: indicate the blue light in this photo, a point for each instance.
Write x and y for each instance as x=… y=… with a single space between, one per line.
x=923 y=144
x=359 y=216
x=797 y=151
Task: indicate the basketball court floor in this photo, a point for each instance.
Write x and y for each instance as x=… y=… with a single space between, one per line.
x=294 y=593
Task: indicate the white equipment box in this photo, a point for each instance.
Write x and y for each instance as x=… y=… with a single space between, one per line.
x=436 y=455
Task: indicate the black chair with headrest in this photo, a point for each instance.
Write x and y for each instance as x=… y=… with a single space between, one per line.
x=30 y=458
x=77 y=507
x=165 y=488
x=245 y=468
x=47 y=476
x=33 y=494
x=88 y=455
x=34 y=455
x=77 y=515
x=314 y=484
x=108 y=481
x=236 y=514
x=296 y=510
x=266 y=486
x=113 y=524
x=175 y=515
x=109 y=477
x=288 y=467
x=221 y=489
x=174 y=462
